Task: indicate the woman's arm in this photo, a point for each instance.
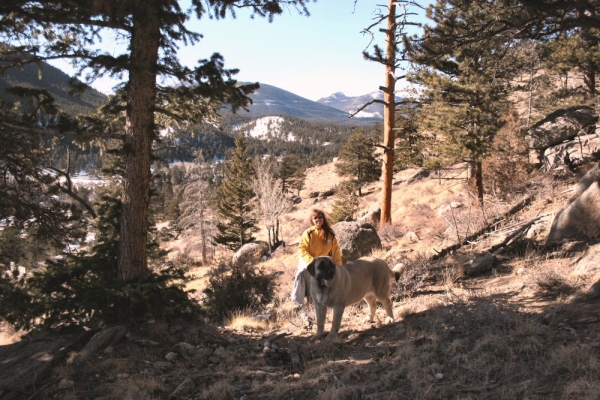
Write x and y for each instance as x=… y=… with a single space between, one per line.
x=336 y=254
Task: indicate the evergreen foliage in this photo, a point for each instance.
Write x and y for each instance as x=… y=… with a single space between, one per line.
x=345 y=205
x=235 y=288
x=410 y=141
x=235 y=200
x=466 y=84
x=82 y=289
x=357 y=160
x=152 y=32
x=292 y=174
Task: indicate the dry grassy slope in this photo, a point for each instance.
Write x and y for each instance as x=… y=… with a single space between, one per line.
x=520 y=331
x=416 y=206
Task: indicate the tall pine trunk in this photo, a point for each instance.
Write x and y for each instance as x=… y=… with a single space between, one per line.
x=389 y=115
x=139 y=134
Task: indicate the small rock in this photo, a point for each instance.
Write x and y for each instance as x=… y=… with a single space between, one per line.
x=171 y=356
x=296 y=376
x=399 y=267
x=162 y=365
x=109 y=350
x=412 y=236
x=186 y=346
x=520 y=271
x=220 y=351
x=213 y=360
x=439 y=376
x=65 y=384
x=122 y=376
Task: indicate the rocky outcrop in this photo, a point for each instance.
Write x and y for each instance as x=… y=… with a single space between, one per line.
x=576 y=150
x=581 y=215
x=26 y=364
x=557 y=127
x=251 y=253
x=371 y=217
x=356 y=239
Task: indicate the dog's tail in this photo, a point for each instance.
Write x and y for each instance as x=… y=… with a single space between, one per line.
x=397 y=270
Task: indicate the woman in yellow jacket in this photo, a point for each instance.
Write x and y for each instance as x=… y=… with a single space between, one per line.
x=318 y=240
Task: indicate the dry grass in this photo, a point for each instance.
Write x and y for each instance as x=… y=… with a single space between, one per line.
x=520 y=331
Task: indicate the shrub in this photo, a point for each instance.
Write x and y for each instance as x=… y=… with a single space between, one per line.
x=83 y=289
x=237 y=287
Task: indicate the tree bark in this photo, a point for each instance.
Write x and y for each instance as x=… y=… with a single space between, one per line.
x=139 y=134
x=389 y=116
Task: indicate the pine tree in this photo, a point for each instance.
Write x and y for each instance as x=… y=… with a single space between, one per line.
x=235 y=200
x=576 y=49
x=292 y=173
x=357 y=160
x=396 y=17
x=152 y=32
x=345 y=205
x=467 y=84
x=409 y=141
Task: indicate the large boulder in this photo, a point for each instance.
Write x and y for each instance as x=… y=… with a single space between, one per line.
x=557 y=127
x=25 y=364
x=577 y=150
x=371 y=217
x=581 y=215
x=251 y=253
x=356 y=239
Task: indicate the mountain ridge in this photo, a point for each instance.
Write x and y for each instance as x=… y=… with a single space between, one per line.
x=270 y=100
x=351 y=104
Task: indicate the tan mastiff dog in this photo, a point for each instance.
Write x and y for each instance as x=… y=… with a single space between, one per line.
x=337 y=287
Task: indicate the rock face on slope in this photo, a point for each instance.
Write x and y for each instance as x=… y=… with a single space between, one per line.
x=581 y=215
x=251 y=253
x=356 y=239
x=557 y=127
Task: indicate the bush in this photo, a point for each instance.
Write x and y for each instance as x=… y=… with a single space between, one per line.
x=83 y=289
x=233 y=288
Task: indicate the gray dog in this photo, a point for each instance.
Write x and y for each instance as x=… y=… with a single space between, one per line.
x=337 y=287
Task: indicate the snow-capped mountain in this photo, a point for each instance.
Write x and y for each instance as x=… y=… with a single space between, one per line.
x=351 y=104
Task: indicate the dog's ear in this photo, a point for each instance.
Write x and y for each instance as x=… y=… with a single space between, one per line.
x=311 y=268
x=330 y=263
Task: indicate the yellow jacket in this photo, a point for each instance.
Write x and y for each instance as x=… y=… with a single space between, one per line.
x=312 y=246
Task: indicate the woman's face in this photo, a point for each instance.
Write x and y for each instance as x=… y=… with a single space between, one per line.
x=318 y=220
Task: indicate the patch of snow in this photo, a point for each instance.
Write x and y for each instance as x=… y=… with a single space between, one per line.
x=364 y=114
x=261 y=127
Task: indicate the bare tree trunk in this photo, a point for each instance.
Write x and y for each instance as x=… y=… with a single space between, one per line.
x=389 y=116
x=479 y=180
x=139 y=134
x=203 y=234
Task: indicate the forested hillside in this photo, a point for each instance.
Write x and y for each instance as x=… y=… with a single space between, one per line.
x=45 y=76
x=315 y=142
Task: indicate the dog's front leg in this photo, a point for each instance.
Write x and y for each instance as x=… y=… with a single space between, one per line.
x=321 y=312
x=338 y=312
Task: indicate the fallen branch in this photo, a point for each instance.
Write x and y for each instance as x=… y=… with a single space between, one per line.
x=518 y=231
x=479 y=389
x=272 y=339
x=516 y=208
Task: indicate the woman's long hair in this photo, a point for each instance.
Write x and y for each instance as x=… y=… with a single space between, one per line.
x=326 y=228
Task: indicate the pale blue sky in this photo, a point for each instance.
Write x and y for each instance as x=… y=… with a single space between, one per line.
x=312 y=57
